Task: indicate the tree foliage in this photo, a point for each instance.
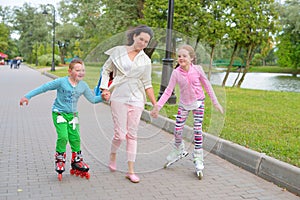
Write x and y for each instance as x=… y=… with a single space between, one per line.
x=289 y=40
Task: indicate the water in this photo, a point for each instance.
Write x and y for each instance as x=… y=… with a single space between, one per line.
x=261 y=81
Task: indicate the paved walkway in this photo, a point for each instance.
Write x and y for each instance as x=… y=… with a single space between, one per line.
x=27 y=148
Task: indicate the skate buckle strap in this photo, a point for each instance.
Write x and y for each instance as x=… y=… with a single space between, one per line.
x=78 y=158
x=60 y=158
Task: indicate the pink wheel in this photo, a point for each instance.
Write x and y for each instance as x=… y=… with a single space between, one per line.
x=59 y=176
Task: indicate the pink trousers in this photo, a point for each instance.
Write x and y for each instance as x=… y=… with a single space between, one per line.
x=126 y=120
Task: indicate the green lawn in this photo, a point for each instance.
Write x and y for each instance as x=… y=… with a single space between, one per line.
x=265 y=121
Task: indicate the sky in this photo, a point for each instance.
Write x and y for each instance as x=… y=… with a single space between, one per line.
x=32 y=2
x=20 y=3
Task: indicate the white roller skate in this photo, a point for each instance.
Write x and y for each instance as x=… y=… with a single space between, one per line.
x=199 y=162
x=176 y=154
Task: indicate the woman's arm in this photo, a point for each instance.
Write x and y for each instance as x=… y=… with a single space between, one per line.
x=150 y=94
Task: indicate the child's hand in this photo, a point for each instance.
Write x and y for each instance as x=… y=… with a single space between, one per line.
x=23 y=100
x=154 y=112
x=219 y=108
x=105 y=95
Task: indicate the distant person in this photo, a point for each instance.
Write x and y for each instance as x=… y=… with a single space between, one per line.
x=65 y=115
x=190 y=78
x=18 y=63
x=13 y=63
x=131 y=69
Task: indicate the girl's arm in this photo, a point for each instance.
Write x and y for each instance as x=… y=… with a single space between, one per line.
x=165 y=96
x=168 y=91
x=210 y=91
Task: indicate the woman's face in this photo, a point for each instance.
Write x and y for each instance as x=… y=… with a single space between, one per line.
x=184 y=59
x=78 y=72
x=141 y=41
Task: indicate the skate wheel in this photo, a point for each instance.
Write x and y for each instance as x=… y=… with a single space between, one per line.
x=82 y=174
x=72 y=171
x=87 y=175
x=59 y=176
x=77 y=173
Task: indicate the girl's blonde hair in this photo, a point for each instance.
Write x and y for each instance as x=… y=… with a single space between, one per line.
x=190 y=49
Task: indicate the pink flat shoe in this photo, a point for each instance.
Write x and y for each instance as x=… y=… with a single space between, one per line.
x=133 y=178
x=112 y=166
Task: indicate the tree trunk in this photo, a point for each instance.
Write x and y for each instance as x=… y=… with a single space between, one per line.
x=246 y=67
x=230 y=65
x=211 y=61
x=237 y=78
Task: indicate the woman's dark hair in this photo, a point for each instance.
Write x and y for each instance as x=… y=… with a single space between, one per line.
x=137 y=31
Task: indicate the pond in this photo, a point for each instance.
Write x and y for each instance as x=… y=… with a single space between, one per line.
x=261 y=81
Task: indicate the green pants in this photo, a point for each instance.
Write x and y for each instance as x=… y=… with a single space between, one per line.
x=66 y=132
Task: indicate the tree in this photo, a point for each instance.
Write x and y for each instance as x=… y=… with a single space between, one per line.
x=4 y=37
x=260 y=21
x=252 y=22
x=31 y=26
x=289 y=40
x=216 y=29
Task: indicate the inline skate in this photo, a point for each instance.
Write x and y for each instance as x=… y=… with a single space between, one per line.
x=199 y=162
x=176 y=154
x=78 y=167
x=60 y=159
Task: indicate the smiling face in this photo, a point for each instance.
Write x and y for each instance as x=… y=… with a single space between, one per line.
x=183 y=58
x=141 y=41
x=77 y=72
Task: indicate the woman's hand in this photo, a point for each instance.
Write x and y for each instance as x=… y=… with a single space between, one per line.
x=105 y=95
x=155 y=111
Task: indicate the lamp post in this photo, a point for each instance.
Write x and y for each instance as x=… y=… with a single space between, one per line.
x=53 y=39
x=63 y=48
x=168 y=61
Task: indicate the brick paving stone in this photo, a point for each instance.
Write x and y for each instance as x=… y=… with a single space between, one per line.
x=27 y=148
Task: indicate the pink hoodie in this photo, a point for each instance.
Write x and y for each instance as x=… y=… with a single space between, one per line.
x=190 y=85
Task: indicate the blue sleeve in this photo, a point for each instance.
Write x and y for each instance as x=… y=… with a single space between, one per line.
x=90 y=96
x=52 y=85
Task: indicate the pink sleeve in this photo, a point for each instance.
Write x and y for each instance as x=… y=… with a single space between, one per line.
x=168 y=91
x=205 y=82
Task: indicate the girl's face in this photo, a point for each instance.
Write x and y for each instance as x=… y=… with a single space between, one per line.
x=184 y=59
x=78 y=72
x=141 y=41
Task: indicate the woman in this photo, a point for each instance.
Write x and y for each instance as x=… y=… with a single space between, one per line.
x=132 y=82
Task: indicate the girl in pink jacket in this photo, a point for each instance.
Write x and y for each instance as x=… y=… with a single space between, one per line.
x=190 y=79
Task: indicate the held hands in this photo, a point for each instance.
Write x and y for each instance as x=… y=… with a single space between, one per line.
x=154 y=112
x=24 y=100
x=105 y=95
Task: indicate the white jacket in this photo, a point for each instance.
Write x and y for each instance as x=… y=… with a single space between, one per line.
x=138 y=79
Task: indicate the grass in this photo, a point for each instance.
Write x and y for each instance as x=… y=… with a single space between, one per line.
x=264 y=121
